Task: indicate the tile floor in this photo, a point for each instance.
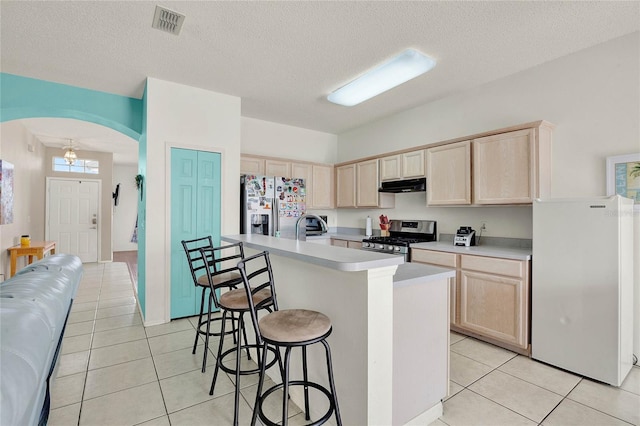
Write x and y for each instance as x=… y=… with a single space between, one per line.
x=115 y=371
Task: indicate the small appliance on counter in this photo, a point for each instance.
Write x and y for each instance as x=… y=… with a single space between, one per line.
x=314 y=227
x=465 y=236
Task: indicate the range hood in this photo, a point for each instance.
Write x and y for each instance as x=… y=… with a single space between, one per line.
x=406 y=185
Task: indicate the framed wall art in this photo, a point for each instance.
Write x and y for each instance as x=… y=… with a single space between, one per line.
x=6 y=192
x=623 y=177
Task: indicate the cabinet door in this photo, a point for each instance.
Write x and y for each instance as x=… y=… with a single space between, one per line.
x=354 y=244
x=367 y=183
x=277 y=168
x=413 y=164
x=322 y=187
x=391 y=168
x=346 y=186
x=494 y=306
x=251 y=165
x=339 y=243
x=503 y=168
x=449 y=174
x=303 y=171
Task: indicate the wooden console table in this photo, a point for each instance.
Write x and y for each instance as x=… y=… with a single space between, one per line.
x=36 y=248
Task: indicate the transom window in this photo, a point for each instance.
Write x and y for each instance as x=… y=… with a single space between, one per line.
x=79 y=166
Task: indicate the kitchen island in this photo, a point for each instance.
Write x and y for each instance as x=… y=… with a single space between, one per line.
x=390 y=340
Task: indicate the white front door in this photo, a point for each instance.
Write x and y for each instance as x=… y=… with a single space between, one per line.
x=73 y=222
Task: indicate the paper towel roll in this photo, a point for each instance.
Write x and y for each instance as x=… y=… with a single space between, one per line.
x=367 y=232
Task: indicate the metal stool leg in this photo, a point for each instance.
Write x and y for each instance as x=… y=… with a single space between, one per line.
x=285 y=387
x=256 y=405
x=217 y=366
x=195 y=342
x=206 y=336
x=238 y=357
x=305 y=376
x=331 y=382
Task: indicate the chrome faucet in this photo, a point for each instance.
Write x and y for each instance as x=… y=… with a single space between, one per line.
x=303 y=237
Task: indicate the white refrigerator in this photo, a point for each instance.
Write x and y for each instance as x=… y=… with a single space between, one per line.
x=582 y=286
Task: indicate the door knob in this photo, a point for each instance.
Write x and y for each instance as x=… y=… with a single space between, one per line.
x=94 y=221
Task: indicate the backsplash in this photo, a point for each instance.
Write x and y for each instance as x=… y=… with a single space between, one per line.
x=523 y=243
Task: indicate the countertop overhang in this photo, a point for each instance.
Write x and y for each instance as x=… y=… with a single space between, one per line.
x=338 y=258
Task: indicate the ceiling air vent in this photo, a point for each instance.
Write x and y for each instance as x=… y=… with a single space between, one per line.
x=167 y=20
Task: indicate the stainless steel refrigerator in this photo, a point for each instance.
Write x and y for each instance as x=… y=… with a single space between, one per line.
x=582 y=286
x=271 y=205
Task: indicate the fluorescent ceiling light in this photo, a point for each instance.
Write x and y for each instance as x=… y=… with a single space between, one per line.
x=407 y=65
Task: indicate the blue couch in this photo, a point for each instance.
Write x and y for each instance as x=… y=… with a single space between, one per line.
x=34 y=307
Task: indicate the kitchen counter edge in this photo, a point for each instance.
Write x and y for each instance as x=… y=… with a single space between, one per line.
x=487 y=251
x=338 y=258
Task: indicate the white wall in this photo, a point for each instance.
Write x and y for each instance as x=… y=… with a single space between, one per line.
x=28 y=189
x=187 y=117
x=279 y=140
x=592 y=96
x=125 y=213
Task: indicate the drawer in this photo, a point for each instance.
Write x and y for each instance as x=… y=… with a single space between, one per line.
x=339 y=243
x=450 y=260
x=493 y=265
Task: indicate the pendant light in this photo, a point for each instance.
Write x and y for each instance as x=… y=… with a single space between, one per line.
x=70 y=156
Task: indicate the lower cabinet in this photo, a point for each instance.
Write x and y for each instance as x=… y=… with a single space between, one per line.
x=346 y=243
x=489 y=297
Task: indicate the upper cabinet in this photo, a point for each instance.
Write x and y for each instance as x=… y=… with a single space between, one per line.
x=357 y=186
x=251 y=165
x=322 y=195
x=402 y=166
x=511 y=167
x=318 y=177
x=449 y=174
x=278 y=168
x=346 y=186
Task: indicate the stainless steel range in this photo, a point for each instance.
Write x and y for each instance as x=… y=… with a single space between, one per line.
x=402 y=234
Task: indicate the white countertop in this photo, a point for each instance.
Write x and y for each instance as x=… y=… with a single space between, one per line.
x=338 y=258
x=489 y=251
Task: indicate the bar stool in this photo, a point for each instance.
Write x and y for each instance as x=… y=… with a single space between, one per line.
x=286 y=329
x=234 y=302
x=228 y=278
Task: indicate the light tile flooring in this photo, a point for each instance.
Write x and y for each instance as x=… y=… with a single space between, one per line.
x=115 y=371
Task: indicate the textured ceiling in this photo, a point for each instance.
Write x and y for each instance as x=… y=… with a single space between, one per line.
x=283 y=58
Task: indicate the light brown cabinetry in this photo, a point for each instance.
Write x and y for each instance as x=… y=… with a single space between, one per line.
x=318 y=178
x=346 y=243
x=339 y=243
x=346 y=186
x=367 y=184
x=504 y=168
x=489 y=296
x=402 y=166
x=278 y=168
x=322 y=187
x=251 y=165
x=449 y=174
x=511 y=167
x=357 y=186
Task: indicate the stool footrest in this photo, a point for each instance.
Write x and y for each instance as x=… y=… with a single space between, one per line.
x=203 y=324
x=256 y=370
x=314 y=385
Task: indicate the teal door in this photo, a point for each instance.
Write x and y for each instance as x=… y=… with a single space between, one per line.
x=195 y=213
